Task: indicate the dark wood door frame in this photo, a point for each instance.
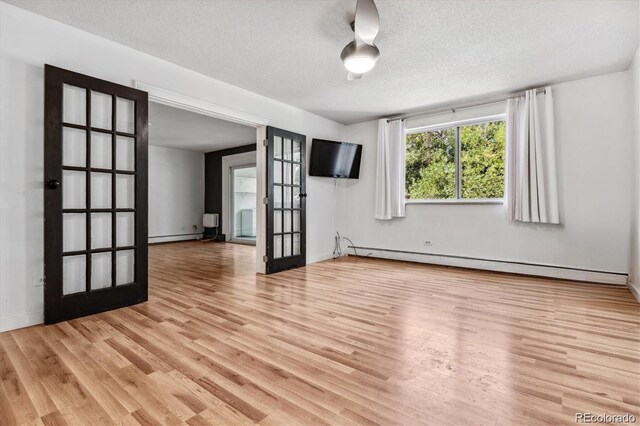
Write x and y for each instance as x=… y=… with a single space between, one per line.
x=280 y=264
x=59 y=307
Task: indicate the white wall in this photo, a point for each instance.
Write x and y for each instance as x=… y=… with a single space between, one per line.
x=176 y=194
x=27 y=42
x=594 y=147
x=634 y=264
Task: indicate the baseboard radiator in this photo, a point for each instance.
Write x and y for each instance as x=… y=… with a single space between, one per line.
x=156 y=239
x=516 y=267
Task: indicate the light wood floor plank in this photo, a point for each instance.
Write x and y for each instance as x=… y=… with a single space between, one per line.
x=350 y=341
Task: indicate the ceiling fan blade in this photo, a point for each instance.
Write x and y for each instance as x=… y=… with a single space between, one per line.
x=354 y=76
x=367 y=21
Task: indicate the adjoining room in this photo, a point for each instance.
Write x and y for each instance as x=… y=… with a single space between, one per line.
x=202 y=185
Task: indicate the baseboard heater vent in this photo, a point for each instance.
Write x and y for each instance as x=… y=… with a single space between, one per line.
x=173 y=238
x=527 y=268
x=176 y=235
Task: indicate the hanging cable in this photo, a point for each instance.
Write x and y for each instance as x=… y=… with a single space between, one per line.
x=337 y=249
x=337 y=239
x=353 y=246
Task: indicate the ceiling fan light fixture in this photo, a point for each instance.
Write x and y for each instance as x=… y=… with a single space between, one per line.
x=359 y=57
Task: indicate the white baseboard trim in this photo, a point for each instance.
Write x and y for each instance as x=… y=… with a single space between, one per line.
x=170 y=238
x=560 y=272
x=13 y=322
x=320 y=258
x=634 y=290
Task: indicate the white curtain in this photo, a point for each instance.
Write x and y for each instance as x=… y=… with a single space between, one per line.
x=531 y=187
x=390 y=170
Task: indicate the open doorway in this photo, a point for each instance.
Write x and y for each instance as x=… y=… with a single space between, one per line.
x=202 y=185
x=277 y=153
x=243 y=204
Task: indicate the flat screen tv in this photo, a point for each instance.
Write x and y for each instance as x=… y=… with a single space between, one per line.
x=335 y=159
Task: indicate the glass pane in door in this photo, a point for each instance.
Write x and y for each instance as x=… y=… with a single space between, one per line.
x=100 y=190
x=100 y=270
x=74 y=194
x=101 y=110
x=125 y=229
x=296 y=244
x=74 y=147
x=296 y=150
x=286 y=149
x=286 y=250
x=74 y=105
x=296 y=197
x=125 y=153
x=277 y=196
x=100 y=150
x=74 y=233
x=296 y=221
x=74 y=274
x=100 y=230
x=277 y=147
x=287 y=221
x=125 y=115
x=125 y=191
x=277 y=246
x=243 y=195
x=124 y=267
x=277 y=171
x=296 y=174
x=277 y=221
x=287 y=173
x=287 y=197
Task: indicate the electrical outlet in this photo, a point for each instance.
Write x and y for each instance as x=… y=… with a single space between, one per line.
x=427 y=243
x=38 y=281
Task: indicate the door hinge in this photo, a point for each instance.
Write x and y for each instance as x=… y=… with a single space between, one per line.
x=265 y=200
x=265 y=142
x=265 y=258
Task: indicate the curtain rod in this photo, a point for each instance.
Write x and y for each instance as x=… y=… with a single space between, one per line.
x=455 y=108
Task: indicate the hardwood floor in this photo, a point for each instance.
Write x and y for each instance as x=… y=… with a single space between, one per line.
x=353 y=341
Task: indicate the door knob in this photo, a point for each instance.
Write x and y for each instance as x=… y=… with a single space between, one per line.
x=302 y=195
x=53 y=184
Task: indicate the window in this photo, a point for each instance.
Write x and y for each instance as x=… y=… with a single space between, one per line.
x=456 y=162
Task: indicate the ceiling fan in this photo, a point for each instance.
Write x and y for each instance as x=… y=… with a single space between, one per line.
x=361 y=54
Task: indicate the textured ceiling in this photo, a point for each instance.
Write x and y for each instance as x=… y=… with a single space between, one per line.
x=431 y=51
x=176 y=128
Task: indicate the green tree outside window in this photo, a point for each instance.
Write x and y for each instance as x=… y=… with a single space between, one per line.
x=431 y=162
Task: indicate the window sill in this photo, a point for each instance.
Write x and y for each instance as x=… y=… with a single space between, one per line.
x=458 y=201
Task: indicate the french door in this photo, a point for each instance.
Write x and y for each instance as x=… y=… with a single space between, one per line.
x=286 y=200
x=95 y=195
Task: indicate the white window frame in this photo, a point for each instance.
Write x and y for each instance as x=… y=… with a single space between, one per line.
x=232 y=207
x=456 y=124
